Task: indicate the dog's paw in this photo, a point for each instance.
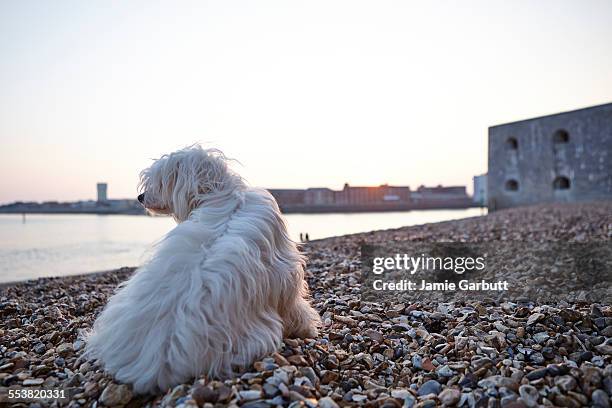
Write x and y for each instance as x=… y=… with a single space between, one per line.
x=310 y=332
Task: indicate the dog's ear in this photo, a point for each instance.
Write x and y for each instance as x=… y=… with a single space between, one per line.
x=195 y=174
x=184 y=190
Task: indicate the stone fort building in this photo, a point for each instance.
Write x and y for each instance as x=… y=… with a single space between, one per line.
x=563 y=157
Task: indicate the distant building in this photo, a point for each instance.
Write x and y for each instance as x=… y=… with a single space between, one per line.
x=124 y=204
x=348 y=199
x=102 y=190
x=384 y=194
x=480 y=190
x=288 y=196
x=319 y=196
x=374 y=198
x=442 y=192
x=441 y=197
x=100 y=206
x=563 y=157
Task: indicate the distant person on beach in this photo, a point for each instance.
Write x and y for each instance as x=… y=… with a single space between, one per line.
x=307 y=237
x=301 y=237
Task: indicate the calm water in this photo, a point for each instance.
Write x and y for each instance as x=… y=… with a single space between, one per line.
x=53 y=245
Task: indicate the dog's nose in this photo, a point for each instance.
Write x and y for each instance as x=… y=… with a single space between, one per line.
x=141 y=198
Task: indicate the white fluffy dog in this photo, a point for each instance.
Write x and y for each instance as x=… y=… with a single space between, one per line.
x=221 y=289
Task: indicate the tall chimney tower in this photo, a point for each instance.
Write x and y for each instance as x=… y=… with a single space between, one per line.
x=102 y=188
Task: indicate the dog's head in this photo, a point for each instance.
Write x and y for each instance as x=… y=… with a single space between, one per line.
x=179 y=182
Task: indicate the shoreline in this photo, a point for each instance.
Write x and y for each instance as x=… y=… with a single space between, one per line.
x=42 y=279
x=389 y=352
x=461 y=214
x=318 y=209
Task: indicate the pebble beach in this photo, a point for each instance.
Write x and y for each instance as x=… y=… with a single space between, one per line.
x=470 y=353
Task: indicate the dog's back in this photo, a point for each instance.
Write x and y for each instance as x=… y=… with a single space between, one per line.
x=217 y=292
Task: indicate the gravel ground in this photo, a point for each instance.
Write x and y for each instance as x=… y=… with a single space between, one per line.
x=391 y=354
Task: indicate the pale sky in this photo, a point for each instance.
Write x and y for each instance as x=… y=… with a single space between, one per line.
x=308 y=93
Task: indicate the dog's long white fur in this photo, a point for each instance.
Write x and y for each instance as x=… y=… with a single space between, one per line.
x=220 y=290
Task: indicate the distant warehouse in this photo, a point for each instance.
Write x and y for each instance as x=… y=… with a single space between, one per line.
x=563 y=157
x=370 y=198
x=322 y=199
x=441 y=197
